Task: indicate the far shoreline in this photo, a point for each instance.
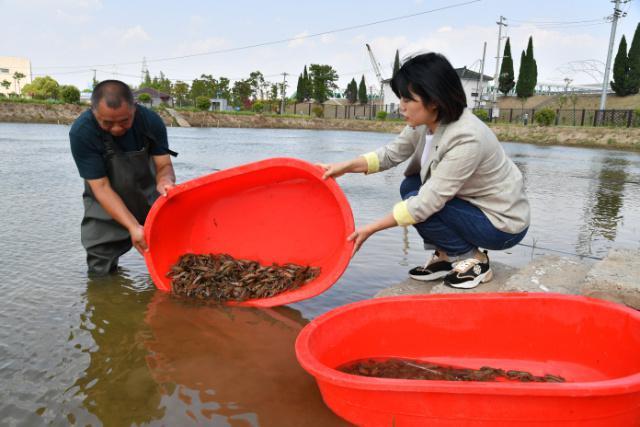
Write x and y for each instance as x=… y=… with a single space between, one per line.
x=588 y=137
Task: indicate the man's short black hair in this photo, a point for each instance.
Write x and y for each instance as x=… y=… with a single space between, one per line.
x=114 y=93
x=433 y=79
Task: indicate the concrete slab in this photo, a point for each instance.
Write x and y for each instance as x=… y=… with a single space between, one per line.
x=616 y=278
x=182 y=122
x=549 y=273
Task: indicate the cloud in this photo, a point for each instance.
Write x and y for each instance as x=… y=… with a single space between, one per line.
x=299 y=39
x=463 y=47
x=196 y=21
x=203 y=45
x=327 y=38
x=134 y=34
x=72 y=18
x=86 y=4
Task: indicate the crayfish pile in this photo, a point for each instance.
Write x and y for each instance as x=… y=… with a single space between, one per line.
x=417 y=370
x=224 y=278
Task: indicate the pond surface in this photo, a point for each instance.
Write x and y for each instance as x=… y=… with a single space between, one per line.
x=115 y=352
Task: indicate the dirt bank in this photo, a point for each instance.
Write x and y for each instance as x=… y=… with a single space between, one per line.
x=15 y=112
x=619 y=138
x=198 y=119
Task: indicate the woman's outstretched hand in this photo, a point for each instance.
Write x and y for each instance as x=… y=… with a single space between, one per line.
x=359 y=236
x=334 y=170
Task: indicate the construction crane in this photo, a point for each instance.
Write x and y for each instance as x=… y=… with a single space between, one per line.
x=376 y=69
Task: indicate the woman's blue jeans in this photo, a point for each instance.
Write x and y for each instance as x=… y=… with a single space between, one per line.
x=459 y=227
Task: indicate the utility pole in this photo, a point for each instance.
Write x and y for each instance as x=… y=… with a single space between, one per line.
x=479 y=87
x=501 y=24
x=614 y=22
x=144 y=70
x=284 y=91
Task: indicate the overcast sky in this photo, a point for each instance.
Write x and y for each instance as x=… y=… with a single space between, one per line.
x=67 y=39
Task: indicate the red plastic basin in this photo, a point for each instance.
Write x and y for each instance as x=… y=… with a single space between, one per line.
x=594 y=344
x=277 y=210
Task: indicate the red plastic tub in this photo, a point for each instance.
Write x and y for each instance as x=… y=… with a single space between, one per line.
x=594 y=344
x=278 y=210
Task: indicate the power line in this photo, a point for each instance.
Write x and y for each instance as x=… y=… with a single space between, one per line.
x=252 y=46
x=501 y=23
x=284 y=91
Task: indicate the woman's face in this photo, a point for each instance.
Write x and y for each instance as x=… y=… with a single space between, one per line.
x=416 y=114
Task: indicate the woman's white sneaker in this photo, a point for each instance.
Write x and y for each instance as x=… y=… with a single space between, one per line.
x=469 y=273
x=435 y=268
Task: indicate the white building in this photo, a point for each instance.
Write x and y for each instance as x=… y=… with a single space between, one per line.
x=9 y=65
x=219 y=104
x=470 y=83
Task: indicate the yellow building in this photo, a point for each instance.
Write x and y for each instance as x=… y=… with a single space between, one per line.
x=10 y=65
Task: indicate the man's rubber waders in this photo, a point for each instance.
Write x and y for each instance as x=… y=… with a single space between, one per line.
x=132 y=176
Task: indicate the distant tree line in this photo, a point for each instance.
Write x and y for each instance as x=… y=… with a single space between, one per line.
x=45 y=88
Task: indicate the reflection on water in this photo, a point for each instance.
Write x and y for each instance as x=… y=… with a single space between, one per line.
x=182 y=362
x=602 y=210
x=224 y=365
x=117 y=386
x=115 y=352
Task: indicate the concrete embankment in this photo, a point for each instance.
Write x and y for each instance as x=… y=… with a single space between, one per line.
x=615 y=138
x=614 y=278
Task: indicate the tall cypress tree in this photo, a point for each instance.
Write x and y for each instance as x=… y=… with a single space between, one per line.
x=300 y=89
x=528 y=74
x=634 y=62
x=307 y=85
x=396 y=64
x=621 y=83
x=362 y=91
x=522 y=86
x=352 y=91
x=533 y=66
x=506 y=81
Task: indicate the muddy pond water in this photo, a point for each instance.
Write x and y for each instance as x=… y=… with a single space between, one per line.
x=116 y=352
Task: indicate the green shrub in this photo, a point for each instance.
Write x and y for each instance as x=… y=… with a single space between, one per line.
x=42 y=88
x=318 y=111
x=144 y=98
x=381 y=115
x=545 y=117
x=203 y=103
x=69 y=94
x=482 y=115
x=258 y=107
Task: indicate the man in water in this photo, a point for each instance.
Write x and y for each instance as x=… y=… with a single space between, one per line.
x=122 y=152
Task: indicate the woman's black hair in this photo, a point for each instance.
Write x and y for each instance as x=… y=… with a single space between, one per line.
x=433 y=79
x=114 y=92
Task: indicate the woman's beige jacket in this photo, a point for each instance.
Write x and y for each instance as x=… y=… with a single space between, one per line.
x=465 y=160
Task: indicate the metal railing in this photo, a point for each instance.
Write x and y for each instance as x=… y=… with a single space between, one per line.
x=563 y=117
x=570 y=117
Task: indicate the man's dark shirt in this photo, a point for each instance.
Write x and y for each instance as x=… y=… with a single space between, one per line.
x=88 y=148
